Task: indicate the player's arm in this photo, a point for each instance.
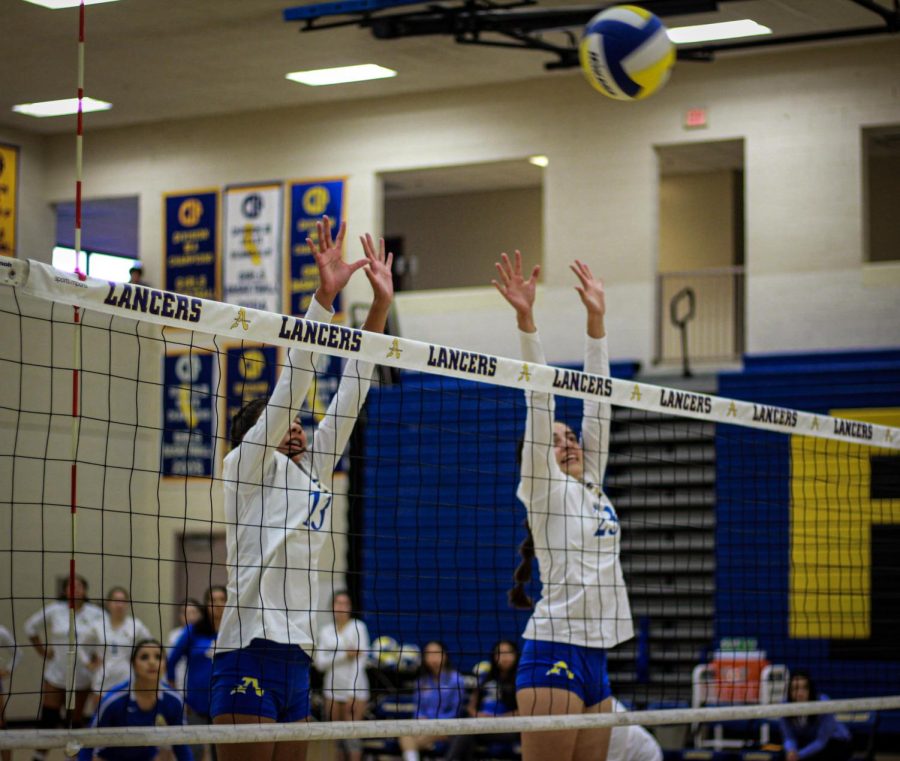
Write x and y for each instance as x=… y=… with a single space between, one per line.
x=34 y=626
x=538 y=463
x=295 y=379
x=334 y=431
x=178 y=651
x=596 y=416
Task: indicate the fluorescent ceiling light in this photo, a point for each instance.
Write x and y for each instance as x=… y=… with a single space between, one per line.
x=725 y=30
x=341 y=74
x=55 y=5
x=61 y=107
x=541 y=161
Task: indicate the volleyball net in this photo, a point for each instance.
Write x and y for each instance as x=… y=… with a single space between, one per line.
x=756 y=539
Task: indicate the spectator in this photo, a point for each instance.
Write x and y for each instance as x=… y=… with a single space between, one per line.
x=495 y=696
x=439 y=693
x=813 y=738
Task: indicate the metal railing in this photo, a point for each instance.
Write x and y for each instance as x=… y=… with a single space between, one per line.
x=700 y=311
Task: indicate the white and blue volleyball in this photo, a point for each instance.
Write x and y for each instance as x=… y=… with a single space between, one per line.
x=410 y=657
x=626 y=52
x=384 y=653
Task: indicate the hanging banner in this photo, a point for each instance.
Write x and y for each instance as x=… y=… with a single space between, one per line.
x=191 y=247
x=252 y=261
x=309 y=201
x=188 y=441
x=250 y=373
x=9 y=176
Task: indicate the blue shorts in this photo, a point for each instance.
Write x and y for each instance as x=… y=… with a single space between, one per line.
x=578 y=669
x=267 y=678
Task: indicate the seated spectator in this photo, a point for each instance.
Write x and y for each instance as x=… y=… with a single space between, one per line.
x=145 y=701
x=813 y=738
x=495 y=696
x=439 y=694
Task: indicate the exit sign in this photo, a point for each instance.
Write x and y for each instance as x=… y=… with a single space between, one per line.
x=696 y=118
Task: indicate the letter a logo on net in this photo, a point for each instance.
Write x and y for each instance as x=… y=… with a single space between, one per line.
x=241 y=319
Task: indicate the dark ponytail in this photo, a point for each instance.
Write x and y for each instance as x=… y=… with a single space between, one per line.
x=517 y=596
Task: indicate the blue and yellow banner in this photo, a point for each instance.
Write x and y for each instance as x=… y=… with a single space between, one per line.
x=309 y=201
x=250 y=373
x=188 y=440
x=9 y=176
x=191 y=247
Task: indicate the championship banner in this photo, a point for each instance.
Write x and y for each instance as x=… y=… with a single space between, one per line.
x=309 y=201
x=250 y=373
x=191 y=247
x=188 y=440
x=9 y=175
x=252 y=259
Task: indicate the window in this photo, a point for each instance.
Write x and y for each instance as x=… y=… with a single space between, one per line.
x=95 y=264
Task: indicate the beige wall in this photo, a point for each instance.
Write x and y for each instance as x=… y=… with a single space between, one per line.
x=696 y=221
x=457 y=238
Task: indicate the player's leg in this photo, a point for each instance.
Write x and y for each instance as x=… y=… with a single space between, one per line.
x=548 y=701
x=52 y=700
x=593 y=744
x=241 y=751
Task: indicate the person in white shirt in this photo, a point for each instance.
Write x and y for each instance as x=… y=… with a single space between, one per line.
x=574 y=533
x=112 y=659
x=632 y=742
x=341 y=650
x=278 y=492
x=9 y=657
x=48 y=631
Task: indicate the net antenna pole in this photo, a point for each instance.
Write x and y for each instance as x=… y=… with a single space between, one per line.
x=76 y=364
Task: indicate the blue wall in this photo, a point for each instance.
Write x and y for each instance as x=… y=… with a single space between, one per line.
x=753 y=529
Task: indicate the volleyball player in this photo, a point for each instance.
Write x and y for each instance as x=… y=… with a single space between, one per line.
x=48 y=631
x=574 y=533
x=142 y=701
x=112 y=660
x=342 y=646
x=9 y=657
x=278 y=493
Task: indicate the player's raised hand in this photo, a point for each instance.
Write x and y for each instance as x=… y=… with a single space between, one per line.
x=379 y=269
x=590 y=288
x=518 y=292
x=334 y=272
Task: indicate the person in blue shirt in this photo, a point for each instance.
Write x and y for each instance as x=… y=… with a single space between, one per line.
x=197 y=644
x=146 y=702
x=439 y=695
x=813 y=738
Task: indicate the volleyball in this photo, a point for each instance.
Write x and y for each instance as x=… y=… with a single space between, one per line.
x=626 y=53
x=385 y=653
x=481 y=670
x=410 y=657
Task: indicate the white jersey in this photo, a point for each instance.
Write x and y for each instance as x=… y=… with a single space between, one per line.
x=277 y=513
x=10 y=655
x=51 y=626
x=575 y=527
x=632 y=743
x=116 y=644
x=341 y=657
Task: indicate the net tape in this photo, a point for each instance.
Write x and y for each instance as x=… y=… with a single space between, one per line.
x=73 y=740
x=177 y=311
